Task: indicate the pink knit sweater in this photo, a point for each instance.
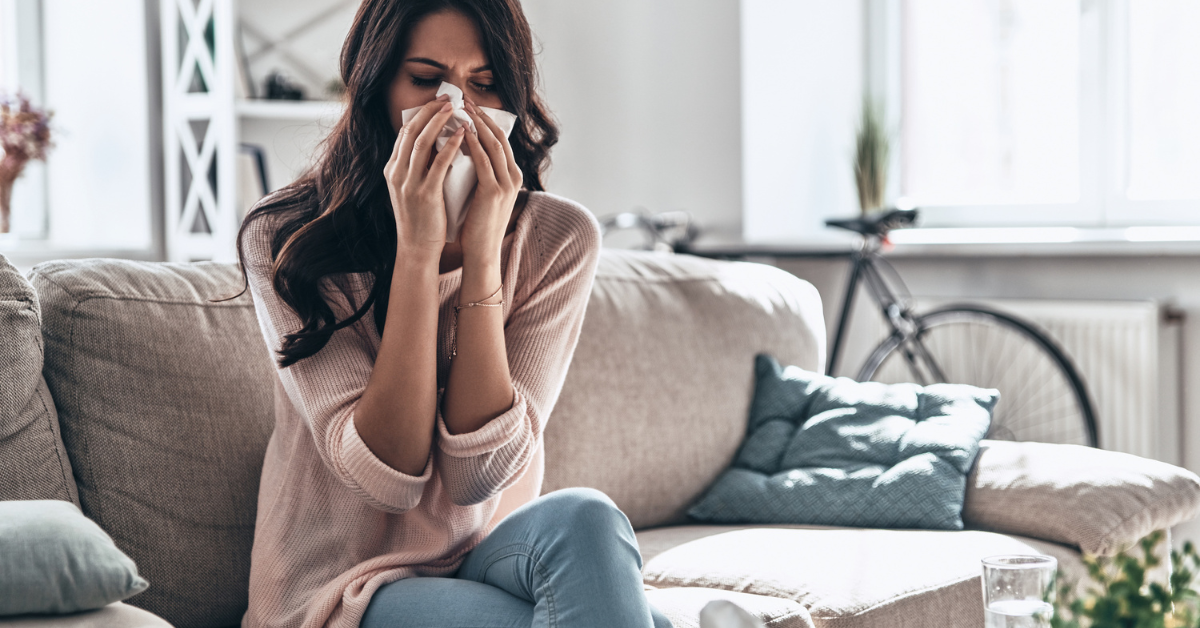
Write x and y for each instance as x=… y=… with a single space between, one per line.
x=335 y=522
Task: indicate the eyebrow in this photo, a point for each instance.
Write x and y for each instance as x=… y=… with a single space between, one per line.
x=440 y=66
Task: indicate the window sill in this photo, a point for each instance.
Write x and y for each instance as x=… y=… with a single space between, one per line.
x=25 y=254
x=975 y=242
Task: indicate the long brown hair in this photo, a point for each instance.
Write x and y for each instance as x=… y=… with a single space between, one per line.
x=337 y=217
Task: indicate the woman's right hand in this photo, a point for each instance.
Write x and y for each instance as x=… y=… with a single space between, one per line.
x=415 y=184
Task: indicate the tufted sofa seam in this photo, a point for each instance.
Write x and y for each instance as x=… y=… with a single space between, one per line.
x=71 y=352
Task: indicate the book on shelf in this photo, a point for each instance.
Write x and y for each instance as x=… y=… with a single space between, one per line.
x=251 y=177
x=243 y=83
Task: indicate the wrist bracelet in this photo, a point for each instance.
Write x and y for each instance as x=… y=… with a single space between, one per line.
x=454 y=342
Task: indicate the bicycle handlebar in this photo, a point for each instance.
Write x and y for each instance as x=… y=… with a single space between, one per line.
x=877 y=225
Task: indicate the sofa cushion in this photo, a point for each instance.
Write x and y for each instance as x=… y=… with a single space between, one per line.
x=1099 y=501
x=682 y=606
x=55 y=560
x=33 y=462
x=166 y=406
x=660 y=381
x=115 y=615
x=655 y=541
x=845 y=577
x=834 y=451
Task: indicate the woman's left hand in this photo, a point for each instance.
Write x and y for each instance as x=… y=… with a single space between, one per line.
x=500 y=181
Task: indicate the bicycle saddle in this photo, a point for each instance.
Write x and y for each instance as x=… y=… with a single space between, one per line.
x=878 y=224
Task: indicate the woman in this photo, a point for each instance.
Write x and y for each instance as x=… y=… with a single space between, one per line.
x=400 y=486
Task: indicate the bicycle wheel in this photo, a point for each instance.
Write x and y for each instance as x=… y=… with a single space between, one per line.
x=1042 y=397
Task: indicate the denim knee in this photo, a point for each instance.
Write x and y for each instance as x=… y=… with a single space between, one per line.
x=586 y=507
x=588 y=515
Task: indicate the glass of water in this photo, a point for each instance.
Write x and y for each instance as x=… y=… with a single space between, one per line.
x=1018 y=590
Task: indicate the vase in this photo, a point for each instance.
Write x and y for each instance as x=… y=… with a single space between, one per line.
x=10 y=169
x=6 y=189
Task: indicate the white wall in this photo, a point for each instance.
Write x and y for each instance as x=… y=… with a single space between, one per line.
x=99 y=175
x=802 y=79
x=290 y=147
x=648 y=97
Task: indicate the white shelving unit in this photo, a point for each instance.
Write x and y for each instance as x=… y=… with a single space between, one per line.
x=288 y=110
x=202 y=120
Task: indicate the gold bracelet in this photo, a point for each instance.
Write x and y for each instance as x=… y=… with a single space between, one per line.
x=454 y=342
x=481 y=302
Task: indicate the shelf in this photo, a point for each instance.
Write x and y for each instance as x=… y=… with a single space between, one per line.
x=289 y=109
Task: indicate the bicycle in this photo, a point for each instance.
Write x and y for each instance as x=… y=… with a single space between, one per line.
x=666 y=231
x=1043 y=397
x=960 y=343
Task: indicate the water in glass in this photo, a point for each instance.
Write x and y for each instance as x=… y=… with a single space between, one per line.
x=1018 y=614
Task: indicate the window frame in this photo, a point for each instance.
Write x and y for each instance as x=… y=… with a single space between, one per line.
x=1103 y=130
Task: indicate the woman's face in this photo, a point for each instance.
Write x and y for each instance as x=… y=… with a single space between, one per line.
x=445 y=46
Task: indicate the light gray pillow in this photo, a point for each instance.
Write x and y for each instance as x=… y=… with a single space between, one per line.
x=1099 y=501
x=55 y=560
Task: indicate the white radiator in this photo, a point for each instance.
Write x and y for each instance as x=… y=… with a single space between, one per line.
x=1125 y=353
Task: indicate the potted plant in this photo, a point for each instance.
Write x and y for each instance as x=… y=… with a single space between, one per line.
x=24 y=135
x=871 y=148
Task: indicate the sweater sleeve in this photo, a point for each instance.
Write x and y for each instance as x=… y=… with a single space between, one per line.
x=540 y=336
x=325 y=388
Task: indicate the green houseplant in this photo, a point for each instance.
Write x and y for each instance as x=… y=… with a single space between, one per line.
x=871 y=150
x=1121 y=596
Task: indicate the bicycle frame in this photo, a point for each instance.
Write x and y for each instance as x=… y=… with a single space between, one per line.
x=864 y=265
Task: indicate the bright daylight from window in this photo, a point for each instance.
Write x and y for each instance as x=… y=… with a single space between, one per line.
x=990 y=100
x=1164 y=100
x=1086 y=110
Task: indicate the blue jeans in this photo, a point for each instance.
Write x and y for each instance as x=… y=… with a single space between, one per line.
x=567 y=559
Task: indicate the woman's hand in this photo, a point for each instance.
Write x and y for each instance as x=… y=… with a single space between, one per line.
x=496 y=193
x=415 y=184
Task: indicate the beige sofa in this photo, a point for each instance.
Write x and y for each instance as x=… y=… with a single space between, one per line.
x=128 y=393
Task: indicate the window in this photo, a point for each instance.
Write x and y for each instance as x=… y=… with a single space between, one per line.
x=991 y=102
x=1035 y=112
x=93 y=194
x=20 y=70
x=1164 y=100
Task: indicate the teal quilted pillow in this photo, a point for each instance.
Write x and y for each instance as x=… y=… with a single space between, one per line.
x=826 y=451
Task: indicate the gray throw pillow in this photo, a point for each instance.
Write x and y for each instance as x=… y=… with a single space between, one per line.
x=55 y=560
x=833 y=451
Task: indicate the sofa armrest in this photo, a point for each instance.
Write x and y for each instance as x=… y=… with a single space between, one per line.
x=1099 y=501
x=115 y=615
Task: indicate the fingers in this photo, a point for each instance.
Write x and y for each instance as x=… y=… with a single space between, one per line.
x=479 y=156
x=423 y=144
x=441 y=163
x=402 y=149
x=487 y=130
x=500 y=135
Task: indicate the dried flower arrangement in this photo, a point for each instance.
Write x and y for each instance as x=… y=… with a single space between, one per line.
x=871 y=148
x=1124 y=599
x=24 y=135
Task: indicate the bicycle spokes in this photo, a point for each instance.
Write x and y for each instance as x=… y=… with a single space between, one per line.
x=924 y=366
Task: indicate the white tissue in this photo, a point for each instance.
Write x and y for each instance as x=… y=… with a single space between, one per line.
x=726 y=614
x=459 y=187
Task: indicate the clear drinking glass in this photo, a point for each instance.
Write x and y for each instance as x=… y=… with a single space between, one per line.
x=1018 y=590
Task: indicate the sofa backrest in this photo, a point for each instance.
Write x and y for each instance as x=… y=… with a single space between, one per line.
x=165 y=400
x=166 y=403
x=656 y=400
x=32 y=462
